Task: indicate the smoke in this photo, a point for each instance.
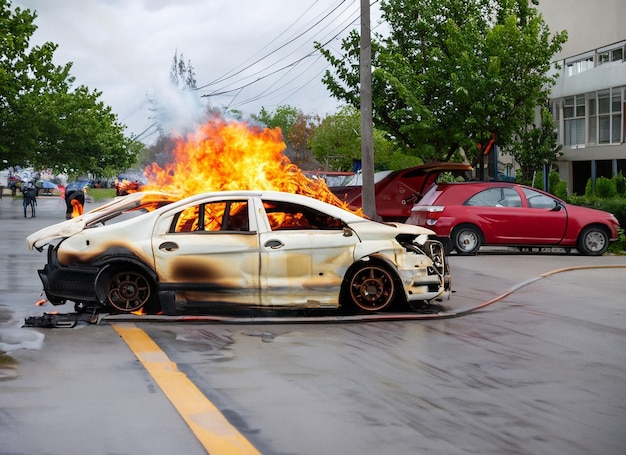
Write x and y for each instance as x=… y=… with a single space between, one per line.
x=176 y=111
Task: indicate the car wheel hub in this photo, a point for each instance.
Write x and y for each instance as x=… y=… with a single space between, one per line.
x=371 y=289
x=128 y=292
x=595 y=241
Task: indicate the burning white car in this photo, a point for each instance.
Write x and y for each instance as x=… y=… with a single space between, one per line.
x=253 y=249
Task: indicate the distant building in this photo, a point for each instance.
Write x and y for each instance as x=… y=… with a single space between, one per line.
x=588 y=100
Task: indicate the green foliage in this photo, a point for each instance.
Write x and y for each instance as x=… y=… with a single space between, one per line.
x=337 y=142
x=451 y=73
x=619 y=246
x=45 y=123
x=101 y=194
x=606 y=188
x=620 y=184
x=559 y=189
x=283 y=117
x=535 y=145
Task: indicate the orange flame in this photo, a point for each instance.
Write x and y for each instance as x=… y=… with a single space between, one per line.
x=77 y=208
x=224 y=155
x=40 y=302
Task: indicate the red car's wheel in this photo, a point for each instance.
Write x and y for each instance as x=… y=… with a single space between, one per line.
x=593 y=241
x=466 y=239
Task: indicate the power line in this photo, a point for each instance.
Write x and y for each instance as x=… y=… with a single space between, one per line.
x=262 y=74
x=308 y=28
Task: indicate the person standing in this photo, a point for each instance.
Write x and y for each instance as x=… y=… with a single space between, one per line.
x=30 y=198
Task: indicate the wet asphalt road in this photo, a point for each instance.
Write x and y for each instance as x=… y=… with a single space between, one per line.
x=543 y=370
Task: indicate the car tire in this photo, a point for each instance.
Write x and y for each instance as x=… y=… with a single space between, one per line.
x=129 y=291
x=466 y=239
x=371 y=287
x=593 y=241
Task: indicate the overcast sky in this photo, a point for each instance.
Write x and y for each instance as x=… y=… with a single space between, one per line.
x=260 y=53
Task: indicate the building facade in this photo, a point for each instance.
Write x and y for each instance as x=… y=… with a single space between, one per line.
x=589 y=99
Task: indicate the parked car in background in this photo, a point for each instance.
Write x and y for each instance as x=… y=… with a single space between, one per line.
x=244 y=248
x=397 y=191
x=473 y=214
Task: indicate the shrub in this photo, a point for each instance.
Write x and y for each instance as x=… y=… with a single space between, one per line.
x=606 y=188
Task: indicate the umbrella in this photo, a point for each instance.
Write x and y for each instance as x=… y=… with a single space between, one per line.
x=47 y=185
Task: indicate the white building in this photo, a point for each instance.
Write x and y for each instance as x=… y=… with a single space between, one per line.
x=588 y=100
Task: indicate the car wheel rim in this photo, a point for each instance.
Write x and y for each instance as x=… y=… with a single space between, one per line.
x=467 y=241
x=595 y=241
x=372 y=288
x=128 y=291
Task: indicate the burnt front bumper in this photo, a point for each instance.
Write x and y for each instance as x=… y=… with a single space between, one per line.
x=61 y=283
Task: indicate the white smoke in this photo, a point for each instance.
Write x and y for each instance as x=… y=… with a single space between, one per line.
x=176 y=110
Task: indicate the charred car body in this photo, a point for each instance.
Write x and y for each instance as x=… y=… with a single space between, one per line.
x=256 y=249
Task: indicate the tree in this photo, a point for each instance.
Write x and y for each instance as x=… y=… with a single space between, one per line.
x=43 y=121
x=284 y=117
x=298 y=141
x=451 y=73
x=336 y=143
x=297 y=129
x=182 y=75
x=536 y=145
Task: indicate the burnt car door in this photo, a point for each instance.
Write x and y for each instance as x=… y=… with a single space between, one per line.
x=209 y=252
x=304 y=255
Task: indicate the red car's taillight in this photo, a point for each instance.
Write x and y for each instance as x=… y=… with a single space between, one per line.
x=426 y=215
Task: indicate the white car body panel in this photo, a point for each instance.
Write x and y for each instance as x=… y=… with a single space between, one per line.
x=297 y=267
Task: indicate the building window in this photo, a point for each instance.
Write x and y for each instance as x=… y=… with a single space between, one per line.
x=578 y=66
x=615 y=54
x=609 y=117
x=574 y=120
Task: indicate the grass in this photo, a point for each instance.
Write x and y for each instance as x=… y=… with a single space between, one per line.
x=99 y=194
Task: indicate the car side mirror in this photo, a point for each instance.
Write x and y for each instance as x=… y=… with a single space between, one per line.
x=557 y=206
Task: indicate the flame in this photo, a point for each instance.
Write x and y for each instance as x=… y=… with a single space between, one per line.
x=40 y=302
x=233 y=155
x=77 y=208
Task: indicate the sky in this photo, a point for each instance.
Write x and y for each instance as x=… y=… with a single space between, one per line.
x=246 y=54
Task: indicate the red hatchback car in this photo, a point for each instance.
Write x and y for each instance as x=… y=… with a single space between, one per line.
x=472 y=214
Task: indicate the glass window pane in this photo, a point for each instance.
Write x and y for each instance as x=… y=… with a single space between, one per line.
x=567 y=135
x=616 y=104
x=603 y=58
x=604 y=129
x=486 y=198
x=580 y=131
x=618 y=54
x=603 y=104
x=592 y=130
x=616 y=135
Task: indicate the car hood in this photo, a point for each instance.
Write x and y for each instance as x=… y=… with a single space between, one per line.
x=368 y=230
x=146 y=200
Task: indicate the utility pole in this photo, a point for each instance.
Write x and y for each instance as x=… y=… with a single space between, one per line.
x=368 y=196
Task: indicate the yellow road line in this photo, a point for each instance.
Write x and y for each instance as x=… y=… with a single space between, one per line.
x=211 y=428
